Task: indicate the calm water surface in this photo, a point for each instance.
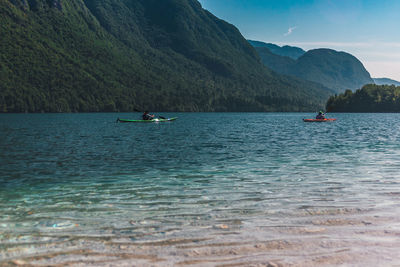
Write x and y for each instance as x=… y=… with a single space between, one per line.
x=207 y=189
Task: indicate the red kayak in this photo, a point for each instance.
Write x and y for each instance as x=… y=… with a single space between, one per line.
x=318 y=120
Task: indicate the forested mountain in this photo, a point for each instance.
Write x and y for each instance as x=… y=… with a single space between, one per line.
x=370 y=98
x=280 y=64
x=336 y=70
x=385 y=81
x=286 y=50
x=121 y=55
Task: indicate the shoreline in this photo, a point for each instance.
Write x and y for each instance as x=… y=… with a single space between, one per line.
x=314 y=237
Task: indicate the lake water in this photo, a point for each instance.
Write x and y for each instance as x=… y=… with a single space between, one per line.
x=209 y=189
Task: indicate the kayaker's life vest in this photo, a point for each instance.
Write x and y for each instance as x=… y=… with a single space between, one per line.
x=147 y=117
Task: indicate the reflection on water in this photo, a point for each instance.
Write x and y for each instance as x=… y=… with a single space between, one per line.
x=207 y=189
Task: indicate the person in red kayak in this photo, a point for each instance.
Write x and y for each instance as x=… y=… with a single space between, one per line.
x=320 y=116
x=147 y=117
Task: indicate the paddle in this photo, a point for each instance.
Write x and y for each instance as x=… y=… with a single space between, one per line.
x=323 y=114
x=161 y=117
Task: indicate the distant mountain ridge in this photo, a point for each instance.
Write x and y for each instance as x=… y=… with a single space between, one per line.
x=336 y=70
x=385 y=81
x=121 y=55
x=286 y=50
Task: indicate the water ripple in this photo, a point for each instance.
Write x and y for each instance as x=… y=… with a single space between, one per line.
x=80 y=189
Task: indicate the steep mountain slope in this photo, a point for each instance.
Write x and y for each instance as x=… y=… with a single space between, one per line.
x=336 y=70
x=286 y=50
x=118 y=55
x=280 y=64
x=383 y=81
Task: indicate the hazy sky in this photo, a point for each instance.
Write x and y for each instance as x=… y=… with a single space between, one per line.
x=368 y=29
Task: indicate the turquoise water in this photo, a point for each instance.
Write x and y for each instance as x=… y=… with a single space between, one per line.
x=83 y=185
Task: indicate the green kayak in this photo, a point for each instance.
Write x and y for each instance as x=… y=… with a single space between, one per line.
x=154 y=120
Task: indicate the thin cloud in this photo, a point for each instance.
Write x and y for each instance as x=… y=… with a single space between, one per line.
x=290 y=30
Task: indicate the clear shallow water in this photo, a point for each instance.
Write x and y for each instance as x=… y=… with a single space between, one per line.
x=207 y=189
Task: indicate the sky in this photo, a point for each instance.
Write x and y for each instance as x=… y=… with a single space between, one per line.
x=367 y=29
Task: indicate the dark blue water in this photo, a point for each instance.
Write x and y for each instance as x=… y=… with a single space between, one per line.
x=67 y=179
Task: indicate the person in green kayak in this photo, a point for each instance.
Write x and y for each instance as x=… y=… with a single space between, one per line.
x=147 y=117
x=320 y=116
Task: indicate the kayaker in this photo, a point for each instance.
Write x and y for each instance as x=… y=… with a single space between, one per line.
x=146 y=116
x=320 y=116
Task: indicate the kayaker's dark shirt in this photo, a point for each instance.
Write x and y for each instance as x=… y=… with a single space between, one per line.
x=147 y=117
x=320 y=116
